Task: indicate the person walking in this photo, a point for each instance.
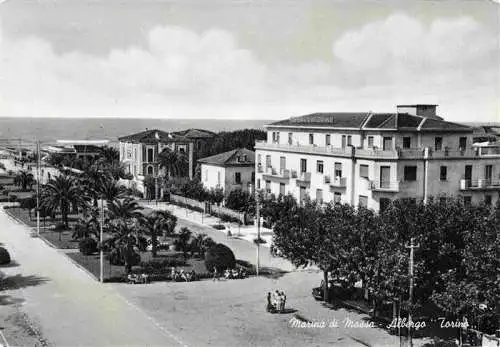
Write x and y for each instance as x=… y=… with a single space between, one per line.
x=283 y=299
x=269 y=307
x=216 y=275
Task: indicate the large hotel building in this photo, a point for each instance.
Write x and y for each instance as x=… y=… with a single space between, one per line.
x=370 y=158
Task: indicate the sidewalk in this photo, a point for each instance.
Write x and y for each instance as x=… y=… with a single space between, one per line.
x=244 y=232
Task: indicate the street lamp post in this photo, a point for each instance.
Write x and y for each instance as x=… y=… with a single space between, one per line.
x=258 y=231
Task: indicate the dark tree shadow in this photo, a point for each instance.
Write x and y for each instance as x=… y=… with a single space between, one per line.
x=9 y=300
x=11 y=264
x=19 y=281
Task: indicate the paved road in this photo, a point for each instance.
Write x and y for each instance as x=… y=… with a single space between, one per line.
x=71 y=308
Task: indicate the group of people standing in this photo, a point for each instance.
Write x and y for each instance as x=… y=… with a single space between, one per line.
x=276 y=301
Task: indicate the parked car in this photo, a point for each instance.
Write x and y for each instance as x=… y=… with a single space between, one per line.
x=336 y=290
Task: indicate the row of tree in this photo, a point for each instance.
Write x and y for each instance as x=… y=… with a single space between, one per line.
x=456 y=263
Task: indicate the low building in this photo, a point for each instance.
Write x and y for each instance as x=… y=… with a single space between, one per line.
x=77 y=151
x=371 y=158
x=229 y=170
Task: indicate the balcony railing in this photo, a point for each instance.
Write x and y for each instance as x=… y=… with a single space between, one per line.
x=282 y=173
x=384 y=186
x=339 y=182
x=479 y=184
x=304 y=177
x=301 y=148
x=375 y=153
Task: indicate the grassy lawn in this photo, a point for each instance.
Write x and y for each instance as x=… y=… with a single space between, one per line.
x=23 y=215
x=92 y=263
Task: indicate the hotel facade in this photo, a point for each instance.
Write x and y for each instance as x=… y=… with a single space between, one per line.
x=370 y=158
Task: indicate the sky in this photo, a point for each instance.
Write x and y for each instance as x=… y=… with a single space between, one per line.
x=241 y=59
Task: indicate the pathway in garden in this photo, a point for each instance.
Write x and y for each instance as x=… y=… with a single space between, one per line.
x=242 y=247
x=69 y=306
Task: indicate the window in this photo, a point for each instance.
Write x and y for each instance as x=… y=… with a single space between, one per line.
x=258 y=183
x=218 y=178
x=327 y=140
x=462 y=143
x=182 y=150
x=268 y=186
x=268 y=161
x=282 y=188
x=150 y=155
x=363 y=171
x=337 y=197
x=319 y=196
x=487 y=200
x=370 y=141
x=349 y=140
x=259 y=159
x=135 y=152
x=387 y=144
x=363 y=201
x=237 y=177
x=406 y=142
x=282 y=163
x=253 y=177
x=410 y=173
x=206 y=175
x=290 y=138
x=319 y=166
x=343 y=141
x=467 y=200
x=338 y=170
x=443 y=173
x=150 y=170
x=438 y=143
x=276 y=136
x=311 y=139
x=303 y=165
x=488 y=172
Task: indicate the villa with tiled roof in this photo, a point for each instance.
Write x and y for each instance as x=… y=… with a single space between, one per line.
x=229 y=170
x=369 y=159
x=139 y=152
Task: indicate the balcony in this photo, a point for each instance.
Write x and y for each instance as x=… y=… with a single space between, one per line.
x=481 y=184
x=303 y=178
x=260 y=168
x=384 y=186
x=301 y=148
x=272 y=173
x=338 y=182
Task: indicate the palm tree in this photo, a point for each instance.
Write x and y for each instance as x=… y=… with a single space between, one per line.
x=62 y=192
x=182 y=242
x=176 y=163
x=111 y=191
x=110 y=154
x=88 y=225
x=94 y=179
x=156 y=224
x=24 y=179
x=124 y=209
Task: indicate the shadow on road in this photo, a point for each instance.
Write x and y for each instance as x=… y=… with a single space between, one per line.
x=11 y=264
x=19 y=281
x=9 y=300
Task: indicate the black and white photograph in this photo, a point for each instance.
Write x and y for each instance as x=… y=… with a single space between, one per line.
x=261 y=173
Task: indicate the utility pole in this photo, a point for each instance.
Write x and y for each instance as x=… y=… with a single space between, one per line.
x=101 y=251
x=412 y=247
x=38 y=188
x=258 y=230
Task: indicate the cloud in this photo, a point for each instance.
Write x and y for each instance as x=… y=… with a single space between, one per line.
x=181 y=73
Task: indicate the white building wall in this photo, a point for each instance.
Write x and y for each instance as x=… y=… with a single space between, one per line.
x=210 y=174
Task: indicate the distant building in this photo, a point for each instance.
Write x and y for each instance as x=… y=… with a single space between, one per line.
x=229 y=170
x=200 y=138
x=371 y=158
x=77 y=151
x=139 y=152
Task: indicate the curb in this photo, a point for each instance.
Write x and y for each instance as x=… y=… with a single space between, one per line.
x=81 y=267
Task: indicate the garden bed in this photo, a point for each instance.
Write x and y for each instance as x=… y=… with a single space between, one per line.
x=115 y=273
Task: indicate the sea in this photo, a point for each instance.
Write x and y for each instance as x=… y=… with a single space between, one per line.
x=25 y=131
